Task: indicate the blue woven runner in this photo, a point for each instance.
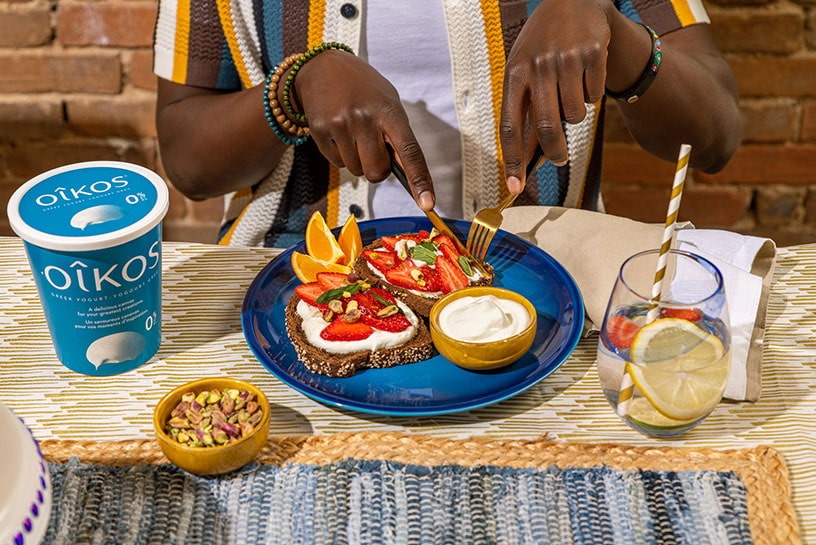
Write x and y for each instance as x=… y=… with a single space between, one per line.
x=380 y=502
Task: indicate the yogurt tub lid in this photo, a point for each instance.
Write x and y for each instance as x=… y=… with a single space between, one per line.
x=88 y=206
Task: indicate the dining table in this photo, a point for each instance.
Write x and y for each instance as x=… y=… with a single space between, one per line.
x=203 y=293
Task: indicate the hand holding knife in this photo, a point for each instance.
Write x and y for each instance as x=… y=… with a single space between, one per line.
x=436 y=220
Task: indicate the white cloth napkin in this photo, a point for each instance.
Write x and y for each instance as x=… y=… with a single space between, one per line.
x=592 y=246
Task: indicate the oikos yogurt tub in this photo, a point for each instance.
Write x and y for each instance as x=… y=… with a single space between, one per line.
x=92 y=233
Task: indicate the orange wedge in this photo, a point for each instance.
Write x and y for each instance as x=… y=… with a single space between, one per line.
x=306 y=267
x=320 y=241
x=350 y=241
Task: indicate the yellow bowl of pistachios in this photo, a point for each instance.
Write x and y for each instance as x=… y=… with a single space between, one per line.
x=212 y=426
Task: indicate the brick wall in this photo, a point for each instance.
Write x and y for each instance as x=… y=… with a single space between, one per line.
x=76 y=85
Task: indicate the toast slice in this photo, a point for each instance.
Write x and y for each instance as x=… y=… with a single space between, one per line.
x=416 y=344
x=401 y=270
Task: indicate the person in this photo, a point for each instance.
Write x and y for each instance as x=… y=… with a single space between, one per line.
x=459 y=93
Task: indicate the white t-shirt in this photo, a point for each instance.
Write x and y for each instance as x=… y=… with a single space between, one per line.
x=421 y=72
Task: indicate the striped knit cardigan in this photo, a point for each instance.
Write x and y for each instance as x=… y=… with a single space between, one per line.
x=233 y=44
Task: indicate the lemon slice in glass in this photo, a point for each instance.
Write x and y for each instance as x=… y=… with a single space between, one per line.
x=681 y=369
x=643 y=413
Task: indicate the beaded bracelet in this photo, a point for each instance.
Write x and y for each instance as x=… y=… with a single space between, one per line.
x=294 y=135
x=633 y=93
x=290 y=79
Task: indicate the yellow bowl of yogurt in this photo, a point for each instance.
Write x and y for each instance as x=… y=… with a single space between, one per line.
x=483 y=327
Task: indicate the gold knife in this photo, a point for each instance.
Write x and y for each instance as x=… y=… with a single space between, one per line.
x=436 y=220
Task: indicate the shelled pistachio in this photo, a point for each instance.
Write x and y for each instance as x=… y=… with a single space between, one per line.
x=213 y=417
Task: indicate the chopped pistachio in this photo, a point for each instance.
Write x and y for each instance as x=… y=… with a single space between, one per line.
x=215 y=397
x=255 y=419
x=230 y=429
x=178 y=422
x=390 y=310
x=217 y=416
x=180 y=409
x=213 y=417
x=402 y=252
x=233 y=393
x=192 y=416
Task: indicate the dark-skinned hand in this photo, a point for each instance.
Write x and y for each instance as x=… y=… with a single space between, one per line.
x=353 y=113
x=557 y=64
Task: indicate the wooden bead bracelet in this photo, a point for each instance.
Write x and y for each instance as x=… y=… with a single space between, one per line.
x=298 y=64
x=286 y=129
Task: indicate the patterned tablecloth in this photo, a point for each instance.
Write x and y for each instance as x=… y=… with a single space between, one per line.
x=204 y=286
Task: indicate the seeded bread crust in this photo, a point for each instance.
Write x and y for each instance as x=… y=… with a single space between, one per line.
x=421 y=304
x=418 y=348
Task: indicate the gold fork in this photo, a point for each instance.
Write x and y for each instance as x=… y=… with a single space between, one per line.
x=436 y=221
x=488 y=220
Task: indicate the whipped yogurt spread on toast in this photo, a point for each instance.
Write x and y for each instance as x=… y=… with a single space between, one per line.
x=313 y=323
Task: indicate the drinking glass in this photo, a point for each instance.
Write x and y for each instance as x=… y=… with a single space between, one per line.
x=663 y=359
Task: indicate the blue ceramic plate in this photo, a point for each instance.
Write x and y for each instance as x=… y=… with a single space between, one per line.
x=434 y=386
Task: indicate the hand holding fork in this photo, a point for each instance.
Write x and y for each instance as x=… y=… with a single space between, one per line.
x=488 y=220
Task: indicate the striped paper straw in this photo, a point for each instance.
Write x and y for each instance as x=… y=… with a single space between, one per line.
x=627 y=388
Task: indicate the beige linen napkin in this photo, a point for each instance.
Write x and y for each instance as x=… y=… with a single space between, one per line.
x=592 y=246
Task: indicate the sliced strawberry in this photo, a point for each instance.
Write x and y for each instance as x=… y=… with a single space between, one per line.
x=620 y=330
x=423 y=234
x=366 y=303
x=340 y=330
x=394 y=323
x=690 y=314
x=309 y=292
x=445 y=240
x=382 y=294
x=373 y=301
x=451 y=253
x=390 y=242
x=451 y=276
x=332 y=280
x=382 y=260
x=404 y=276
x=432 y=282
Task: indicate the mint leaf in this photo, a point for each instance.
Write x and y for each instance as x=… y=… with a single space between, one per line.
x=425 y=251
x=465 y=264
x=337 y=293
x=383 y=301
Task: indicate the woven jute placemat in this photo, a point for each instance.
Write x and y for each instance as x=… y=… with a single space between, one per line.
x=761 y=469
